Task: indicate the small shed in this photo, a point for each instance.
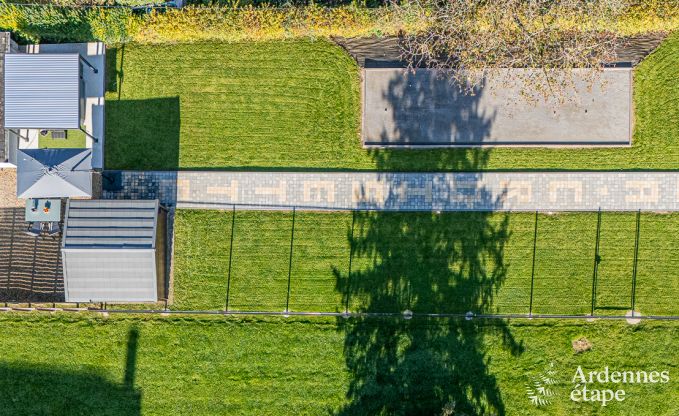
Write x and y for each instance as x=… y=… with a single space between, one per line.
x=114 y=251
x=43 y=91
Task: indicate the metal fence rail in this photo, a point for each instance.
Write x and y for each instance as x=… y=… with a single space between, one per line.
x=406 y=316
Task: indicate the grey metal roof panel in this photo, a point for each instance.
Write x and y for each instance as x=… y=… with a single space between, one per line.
x=77 y=222
x=107 y=242
x=42 y=91
x=111 y=275
x=115 y=203
x=97 y=224
x=147 y=213
x=111 y=232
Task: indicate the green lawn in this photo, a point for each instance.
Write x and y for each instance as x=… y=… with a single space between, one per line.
x=230 y=105
x=295 y=105
x=75 y=139
x=452 y=262
x=65 y=365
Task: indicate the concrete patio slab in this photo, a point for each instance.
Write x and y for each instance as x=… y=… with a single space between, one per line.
x=424 y=109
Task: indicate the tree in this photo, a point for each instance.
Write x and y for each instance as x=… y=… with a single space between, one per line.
x=532 y=44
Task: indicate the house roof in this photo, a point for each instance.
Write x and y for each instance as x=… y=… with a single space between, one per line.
x=4 y=47
x=42 y=91
x=108 y=251
x=54 y=173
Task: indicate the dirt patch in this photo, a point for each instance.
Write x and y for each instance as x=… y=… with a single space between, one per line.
x=385 y=52
x=8 y=189
x=373 y=52
x=581 y=345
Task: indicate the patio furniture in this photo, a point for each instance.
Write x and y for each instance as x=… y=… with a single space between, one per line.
x=34 y=229
x=53 y=229
x=43 y=210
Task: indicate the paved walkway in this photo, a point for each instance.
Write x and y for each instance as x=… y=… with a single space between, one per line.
x=577 y=191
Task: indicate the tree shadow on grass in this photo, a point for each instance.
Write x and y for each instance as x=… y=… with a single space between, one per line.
x=31 y=389
x=425 y=262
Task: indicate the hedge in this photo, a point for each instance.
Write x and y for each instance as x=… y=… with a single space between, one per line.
x=119 y=25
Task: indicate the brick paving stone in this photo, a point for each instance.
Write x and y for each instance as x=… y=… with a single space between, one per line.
x=468 y=191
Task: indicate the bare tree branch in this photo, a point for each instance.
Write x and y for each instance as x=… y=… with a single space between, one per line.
x=472 y=40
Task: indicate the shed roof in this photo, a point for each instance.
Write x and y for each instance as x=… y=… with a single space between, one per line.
x=108 y=251
x=109 y=275
x=42 y=91
x=110 y=224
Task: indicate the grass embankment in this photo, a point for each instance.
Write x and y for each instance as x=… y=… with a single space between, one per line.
x=79 y=365
x=452 y=262
x=295 y=105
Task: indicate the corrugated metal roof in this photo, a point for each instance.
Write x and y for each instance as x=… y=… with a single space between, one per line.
x=110 y=275
x=110 y=224
x=42 y=91
x=108 y=251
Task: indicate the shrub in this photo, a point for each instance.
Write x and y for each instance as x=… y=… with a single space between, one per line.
x=112 y=26
x=230 y=23
x=67 y=24
x=35 y=24
x=264 y=23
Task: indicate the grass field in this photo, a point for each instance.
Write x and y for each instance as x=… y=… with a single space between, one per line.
x=65 y=364
x=295 y=105
x=447 y=263
x=230 y=105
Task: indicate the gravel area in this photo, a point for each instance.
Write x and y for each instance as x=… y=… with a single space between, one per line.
x=8 y=183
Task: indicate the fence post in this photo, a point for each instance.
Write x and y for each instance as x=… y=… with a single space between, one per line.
x=532 y=272
x=292 y=239
x=597 y=259
x=351 y=258
x=636 y=259
x=228 y=278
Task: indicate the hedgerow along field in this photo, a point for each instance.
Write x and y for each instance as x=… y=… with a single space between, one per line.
x=253 y=20
x=148 y=366
x=425 y=262
x=295 y=105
